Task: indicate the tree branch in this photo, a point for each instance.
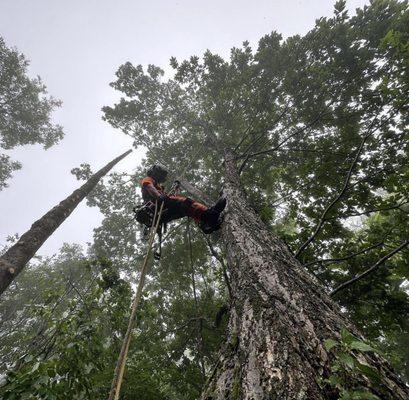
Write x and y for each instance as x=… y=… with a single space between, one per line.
x=371 y=269
x=297 y=132
x=358 y=214
x=222 y=263
x=336 y=260
x=246 y=133
x=340 y=194
x=276 y=121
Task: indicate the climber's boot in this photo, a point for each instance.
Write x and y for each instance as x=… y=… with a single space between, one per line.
x=211 y=219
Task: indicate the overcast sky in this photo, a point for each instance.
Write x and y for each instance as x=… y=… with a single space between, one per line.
x=77 y=45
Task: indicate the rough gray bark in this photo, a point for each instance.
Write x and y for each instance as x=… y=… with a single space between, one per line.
x=14 y=260
x=279 y=319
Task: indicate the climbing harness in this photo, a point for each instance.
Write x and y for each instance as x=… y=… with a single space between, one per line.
x=144 y=214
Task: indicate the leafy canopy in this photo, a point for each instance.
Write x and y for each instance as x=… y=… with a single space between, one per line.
x=25 y=109
x=313 y=120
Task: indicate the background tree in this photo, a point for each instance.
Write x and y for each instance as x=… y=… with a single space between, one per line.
x=25 y=110
x=316 y=127
x=19 y=254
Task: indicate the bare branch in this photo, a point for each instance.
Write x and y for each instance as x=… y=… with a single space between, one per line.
x=246 y=132
x=285 y=140
x=366 y=212
x=316 y=151
x=337 y=260
x=244 y=136
x=260 y=136
x=219 y=258
x=323 y=218
x=371 y=269
x=187 y=323
x=325 y=111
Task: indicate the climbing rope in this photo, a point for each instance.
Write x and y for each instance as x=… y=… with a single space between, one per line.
x=120 y=365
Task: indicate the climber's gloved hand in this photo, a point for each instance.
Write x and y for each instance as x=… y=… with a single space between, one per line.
x=163 y=198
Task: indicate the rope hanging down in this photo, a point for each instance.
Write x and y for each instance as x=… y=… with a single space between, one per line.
x=120 y=366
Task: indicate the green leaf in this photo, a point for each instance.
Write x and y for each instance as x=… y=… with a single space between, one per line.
x=347 y=337
x=369 y=372
x=363 y=395
x=361 y=346
x=35 y=367
x=347 y=360
x=330 y=344
x=346 y=395
x=334 y=381
x=339 y=6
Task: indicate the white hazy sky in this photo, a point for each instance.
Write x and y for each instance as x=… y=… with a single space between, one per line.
x=76 y=47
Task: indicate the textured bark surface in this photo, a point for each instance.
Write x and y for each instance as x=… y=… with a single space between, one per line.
x=14 y=260
x=279 y=319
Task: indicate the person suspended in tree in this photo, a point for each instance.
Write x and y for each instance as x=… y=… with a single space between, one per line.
x=175 y=206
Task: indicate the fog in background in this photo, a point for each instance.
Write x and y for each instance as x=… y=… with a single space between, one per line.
x=76 y=46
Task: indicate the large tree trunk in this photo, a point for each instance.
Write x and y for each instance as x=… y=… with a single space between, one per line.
x=279 y=319
x=14 y=260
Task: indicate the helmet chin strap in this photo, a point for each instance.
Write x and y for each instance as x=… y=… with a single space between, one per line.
x=158 y=172
x=161 y=178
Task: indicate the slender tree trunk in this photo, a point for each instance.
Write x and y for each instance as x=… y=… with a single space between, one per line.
x=279 y=319
x=14 y=260
x=196 y=193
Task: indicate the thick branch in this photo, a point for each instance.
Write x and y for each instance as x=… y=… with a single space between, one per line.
x=245 y=134
x=316 y=119
x=260 y=136
x=309 y=125
x=285 y=140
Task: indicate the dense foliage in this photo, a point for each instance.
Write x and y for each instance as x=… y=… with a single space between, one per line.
x=25 y=110
x=319 y=126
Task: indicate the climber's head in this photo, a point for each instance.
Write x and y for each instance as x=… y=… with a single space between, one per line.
x=157 y=172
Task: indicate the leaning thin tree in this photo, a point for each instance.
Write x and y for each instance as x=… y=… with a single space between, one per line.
x=13 y=261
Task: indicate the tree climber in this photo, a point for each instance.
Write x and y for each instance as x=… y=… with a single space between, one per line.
x=175 y=207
